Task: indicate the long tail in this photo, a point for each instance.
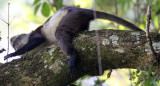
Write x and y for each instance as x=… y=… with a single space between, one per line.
x=118 y=20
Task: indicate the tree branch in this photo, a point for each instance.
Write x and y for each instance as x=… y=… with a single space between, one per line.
x=119 y=49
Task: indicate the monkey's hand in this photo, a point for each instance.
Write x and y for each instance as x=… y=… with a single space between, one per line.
x=72 y=63
x=8 y=56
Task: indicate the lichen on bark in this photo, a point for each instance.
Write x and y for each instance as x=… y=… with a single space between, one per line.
x=119 y=49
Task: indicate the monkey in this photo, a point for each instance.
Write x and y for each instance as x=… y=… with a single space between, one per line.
x=62 y=27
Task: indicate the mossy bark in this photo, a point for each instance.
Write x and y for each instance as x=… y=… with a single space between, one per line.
x=119 y=49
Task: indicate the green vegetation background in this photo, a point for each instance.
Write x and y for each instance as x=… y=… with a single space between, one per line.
x=32 y=13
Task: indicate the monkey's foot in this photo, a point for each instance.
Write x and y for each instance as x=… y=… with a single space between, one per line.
x=72 y=65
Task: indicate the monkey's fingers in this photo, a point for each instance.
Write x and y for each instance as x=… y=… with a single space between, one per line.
x=8 y=56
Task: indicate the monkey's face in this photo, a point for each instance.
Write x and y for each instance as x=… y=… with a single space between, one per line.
x=17 y=41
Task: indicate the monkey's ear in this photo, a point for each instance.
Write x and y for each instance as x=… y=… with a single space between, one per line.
x=16 y=41
x=13 y=40
x=32 y=43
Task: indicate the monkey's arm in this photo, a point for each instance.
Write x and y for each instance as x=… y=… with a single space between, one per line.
x=33 y=43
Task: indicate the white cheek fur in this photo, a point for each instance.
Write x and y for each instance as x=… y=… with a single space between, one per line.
x=50 y=26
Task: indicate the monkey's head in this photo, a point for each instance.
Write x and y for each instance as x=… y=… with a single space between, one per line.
x=18 y=41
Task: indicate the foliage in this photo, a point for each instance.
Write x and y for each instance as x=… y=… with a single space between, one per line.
x=109 y=5
x=45 y=9
x=89 y=81
x=148 y=76
x=46 y=6
x=133 y=10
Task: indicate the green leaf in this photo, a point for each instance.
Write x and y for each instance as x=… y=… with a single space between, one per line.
x=85 y=76
x=74 y=83
x=35 y=2
x=59 y=3
x=45 y=10
x=150 y=71
x=36 y=9
x=148 y=82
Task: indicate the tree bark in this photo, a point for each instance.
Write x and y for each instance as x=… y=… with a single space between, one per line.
x=119 y=49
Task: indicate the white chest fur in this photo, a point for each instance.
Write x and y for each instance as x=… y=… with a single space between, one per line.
x=50 y=26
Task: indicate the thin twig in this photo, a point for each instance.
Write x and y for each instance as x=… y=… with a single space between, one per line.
x=134 y=8
x=109 y=74
x=98 y=44
x=8 y=29
x=147 y=31
x=8 y=23
x=3 y=19
x=12 y=20
x=116 y=11
x=138 y=12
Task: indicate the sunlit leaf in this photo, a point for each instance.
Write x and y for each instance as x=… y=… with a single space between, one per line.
x=35 y=2
x=36 y=9
x=80 y=84
x=45 y=10
x=74 y=83
x=86 y=76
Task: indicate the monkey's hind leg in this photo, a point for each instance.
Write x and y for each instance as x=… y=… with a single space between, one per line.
x=64 y=40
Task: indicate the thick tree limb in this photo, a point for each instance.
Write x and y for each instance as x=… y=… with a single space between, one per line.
x=119 y=49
